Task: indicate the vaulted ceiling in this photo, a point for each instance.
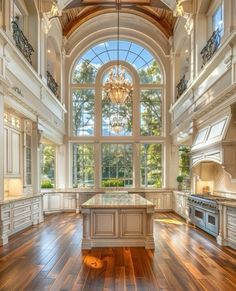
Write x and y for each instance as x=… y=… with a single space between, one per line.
x=77 y=12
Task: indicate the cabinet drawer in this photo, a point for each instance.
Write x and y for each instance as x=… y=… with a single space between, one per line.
x=5 y=207
x=36 y=200
x=6 y=227
x=21 y=203
x=35 y=207
x=21 y=222
x=231 y=234
x=231 y=220
x=6 y=214
x=21 y=210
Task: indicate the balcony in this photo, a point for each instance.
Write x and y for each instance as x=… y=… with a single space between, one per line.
x=52 y=84
x=181 y=86
x=211 y=47
x=22 y=42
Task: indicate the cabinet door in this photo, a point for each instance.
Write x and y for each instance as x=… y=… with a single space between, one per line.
x=15 y=152
x=54 y=201
x=6 y=150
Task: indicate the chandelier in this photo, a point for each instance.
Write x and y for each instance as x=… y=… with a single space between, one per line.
x=118 y=123
x=117 y=87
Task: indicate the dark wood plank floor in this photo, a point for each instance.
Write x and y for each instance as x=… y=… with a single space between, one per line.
x=48 y=257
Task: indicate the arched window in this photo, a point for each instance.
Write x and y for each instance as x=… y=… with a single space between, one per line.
x=117 y=145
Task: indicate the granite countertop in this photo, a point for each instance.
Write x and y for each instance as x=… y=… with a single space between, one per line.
x=18 y=198
x=117 y=200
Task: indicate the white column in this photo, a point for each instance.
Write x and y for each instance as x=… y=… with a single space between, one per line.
x=1 y=145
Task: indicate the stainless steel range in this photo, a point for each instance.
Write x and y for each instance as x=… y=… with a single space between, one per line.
x=204 y=212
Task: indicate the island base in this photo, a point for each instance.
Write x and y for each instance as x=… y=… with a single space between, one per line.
x=93 y=243
x=118 y=228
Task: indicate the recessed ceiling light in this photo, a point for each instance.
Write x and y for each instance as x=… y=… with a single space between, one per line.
x=186 y=50
x=49 y=51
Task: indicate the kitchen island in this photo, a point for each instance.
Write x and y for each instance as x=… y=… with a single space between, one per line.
x=117 y=220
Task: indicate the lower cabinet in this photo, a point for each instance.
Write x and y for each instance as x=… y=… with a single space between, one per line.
x=230 y=232
x=17 y=215
x=161 y=200
x=180 y=204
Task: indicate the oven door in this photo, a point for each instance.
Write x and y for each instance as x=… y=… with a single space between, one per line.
x=212 y=222
x=199 y=217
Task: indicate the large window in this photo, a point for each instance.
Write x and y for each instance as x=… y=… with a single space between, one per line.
x=217 y=19
x=117 y=145
x=48 y=166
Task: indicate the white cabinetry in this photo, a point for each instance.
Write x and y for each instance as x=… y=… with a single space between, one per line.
x=12 y=154
x=161 y=200
x=56 y=202
x=17 y=215
x=180 y=203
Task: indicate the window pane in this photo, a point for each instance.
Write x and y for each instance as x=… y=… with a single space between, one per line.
x=83 y=112
x=217 y=19
x=150 y=73
x=48 y=166
x=117 y=165
x=83 y=165
x=184 y=165
x=84 y=72
x=151 y=119
x=151 y=165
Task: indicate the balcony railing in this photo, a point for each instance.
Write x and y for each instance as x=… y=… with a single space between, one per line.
x=22 y=42
x=211 y=47
x=52 y=84
x=181 y=86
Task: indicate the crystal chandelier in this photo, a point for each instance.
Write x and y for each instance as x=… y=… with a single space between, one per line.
x=117 y=87
x=117 y=123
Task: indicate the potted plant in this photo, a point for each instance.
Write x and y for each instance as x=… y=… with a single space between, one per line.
x=180 y=181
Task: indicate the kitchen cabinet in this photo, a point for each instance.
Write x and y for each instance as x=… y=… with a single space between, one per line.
x=19 y=214
x=64 y=201
x=161 y=200
x=180 y=203
x=12 y=146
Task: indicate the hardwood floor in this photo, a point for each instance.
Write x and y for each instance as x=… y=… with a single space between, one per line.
x=48 y=257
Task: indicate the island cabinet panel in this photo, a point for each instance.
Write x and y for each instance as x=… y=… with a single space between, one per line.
x=132 y=223
x=231 y=226
x=104 y=223
x=162 y=200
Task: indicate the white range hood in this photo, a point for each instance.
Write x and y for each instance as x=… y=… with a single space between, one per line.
x=217 y=143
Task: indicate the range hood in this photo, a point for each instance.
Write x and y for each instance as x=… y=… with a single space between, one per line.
x=217 y=143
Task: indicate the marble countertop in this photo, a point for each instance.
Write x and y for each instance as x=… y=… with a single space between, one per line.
x=18 y=198
x=97 y=191
x=228 y=203
x=117 y=200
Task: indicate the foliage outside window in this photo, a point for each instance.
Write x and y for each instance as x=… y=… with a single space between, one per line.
x=184 y=165
x=150 y=112
x=151 y=165
x=117 y=165
x=83 y=165
x=48 y=166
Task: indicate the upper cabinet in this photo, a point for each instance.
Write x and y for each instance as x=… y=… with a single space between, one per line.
x=12 y=146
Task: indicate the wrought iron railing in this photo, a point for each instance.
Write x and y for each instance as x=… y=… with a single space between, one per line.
x=181 y=86
x=52 y=84
x=211 y=47
x=22 y=42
